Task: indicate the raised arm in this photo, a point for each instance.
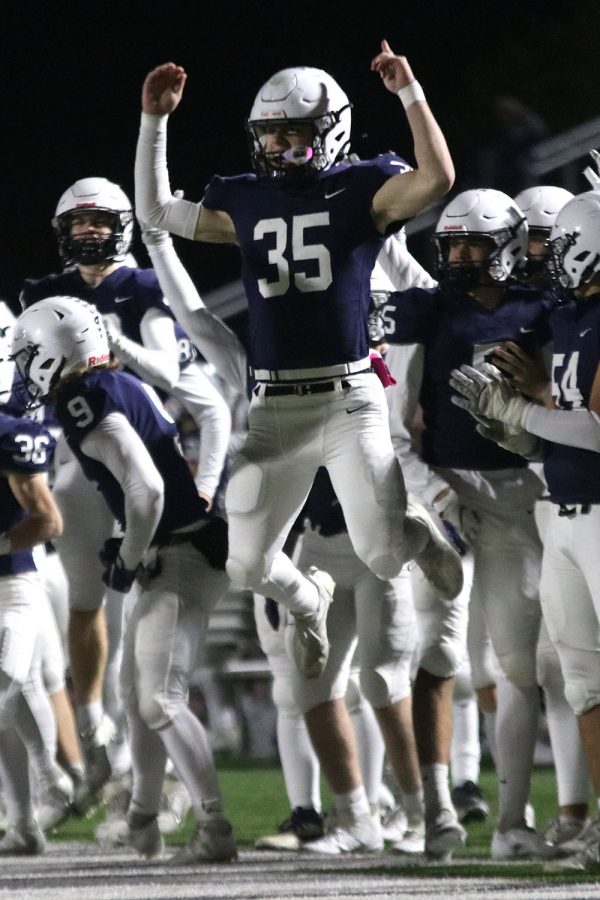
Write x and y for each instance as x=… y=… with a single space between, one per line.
x=155 y=204
x=404 y=196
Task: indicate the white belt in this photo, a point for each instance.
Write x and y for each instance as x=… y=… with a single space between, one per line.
x=359 y=365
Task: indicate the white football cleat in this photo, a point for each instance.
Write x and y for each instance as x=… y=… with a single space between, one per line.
x=55 y=803
x=98 y=770
x=26 y=841
x=520 y=843
x=310 y=642
x=213 y=841
x=443 y=835
x=439 y=562
x=362 y=836
x=175 y=803
x=412 y=841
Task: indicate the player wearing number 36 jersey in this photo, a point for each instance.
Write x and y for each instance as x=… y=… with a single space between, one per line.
x=309 y=225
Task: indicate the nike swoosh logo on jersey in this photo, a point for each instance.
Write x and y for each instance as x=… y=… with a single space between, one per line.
x=526 y=330
x=356 y=408
x=584 y=332
x=331 y=194
x=121 y=299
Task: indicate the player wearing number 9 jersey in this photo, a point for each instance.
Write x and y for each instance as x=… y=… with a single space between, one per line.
x=309 y=226
x=127 y=444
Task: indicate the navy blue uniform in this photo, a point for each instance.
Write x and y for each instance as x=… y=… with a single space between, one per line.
x=455 y=329
x=127 y=292
x=87 y=401
x=27 y=448
x=307 y=254
x=573 y=474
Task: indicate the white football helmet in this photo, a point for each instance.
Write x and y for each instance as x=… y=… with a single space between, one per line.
x=300 y=94
x=575 y=243
x=486 y=213
x=93 y=194
x=540 y=206
x=55 y=337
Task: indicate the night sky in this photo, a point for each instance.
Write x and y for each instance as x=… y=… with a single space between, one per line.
x=72 y=74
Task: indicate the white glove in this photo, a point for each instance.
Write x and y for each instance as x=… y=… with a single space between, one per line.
x=460 y=524
x=593 y=176
x=486 y=392
x=112 y=326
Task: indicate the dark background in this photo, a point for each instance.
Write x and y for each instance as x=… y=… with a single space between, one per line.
x=72 y=74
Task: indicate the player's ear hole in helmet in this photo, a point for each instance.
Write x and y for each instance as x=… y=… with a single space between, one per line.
x=99 y=201
x=294 y=98
x=489 y=218
x=55 y=337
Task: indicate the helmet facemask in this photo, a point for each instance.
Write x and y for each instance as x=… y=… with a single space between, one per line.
x=89 y=250
x=93 y=196
x=488 y=215
x=299 y=96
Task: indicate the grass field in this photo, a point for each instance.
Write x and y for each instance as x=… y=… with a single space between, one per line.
x=256 y=802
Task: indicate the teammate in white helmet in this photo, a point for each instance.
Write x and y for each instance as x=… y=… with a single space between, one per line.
x=94 y=225
x=569 y=444
x=28 y=516
x=309 y=226
x=172 y=546
x=485 y=498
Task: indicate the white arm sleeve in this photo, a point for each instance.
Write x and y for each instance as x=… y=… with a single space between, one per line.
x=405 y=362
x=215 y=341
x=117 y=446
x=155 y=204
x=209 y=410
x=400 y=266
x=574 y=428
x=157 y=360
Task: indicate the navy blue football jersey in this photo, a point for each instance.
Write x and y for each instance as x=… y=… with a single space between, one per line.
x=454 y=330
x=307 y=255
x=25 y=447
x=84 y=403
x=573 y=474
x=127 y=292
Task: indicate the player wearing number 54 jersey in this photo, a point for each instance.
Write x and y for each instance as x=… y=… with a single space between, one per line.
x=127 y=444
x=309 y=226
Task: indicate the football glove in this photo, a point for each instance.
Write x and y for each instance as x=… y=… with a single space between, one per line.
x=115 y=575
x=486 y=392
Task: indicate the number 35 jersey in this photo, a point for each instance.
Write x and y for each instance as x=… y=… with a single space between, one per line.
x=307 y=255
x=25 y=448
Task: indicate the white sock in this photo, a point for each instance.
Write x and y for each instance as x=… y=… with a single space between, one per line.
x=436 y=789
x=516 y=734
x=371 y=749
x=465 y=753
x=89 y=715
x=572 y=780
x=187 y=745
x=349 y=807
x=301 y=769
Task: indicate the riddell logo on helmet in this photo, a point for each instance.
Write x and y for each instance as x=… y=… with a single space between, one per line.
x=98 y=360
x=85 y=205
x=454 y=228
x=273 y=114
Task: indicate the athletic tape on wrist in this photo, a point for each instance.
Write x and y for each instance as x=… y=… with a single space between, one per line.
x=411 y=94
